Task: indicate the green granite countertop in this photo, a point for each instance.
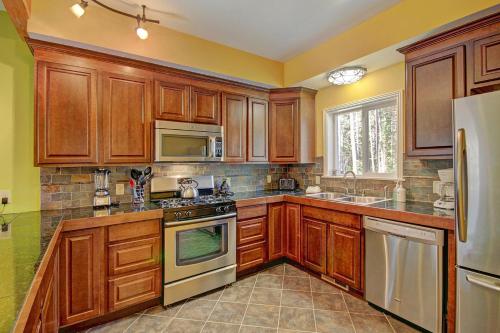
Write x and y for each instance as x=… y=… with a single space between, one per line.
x=23 y=246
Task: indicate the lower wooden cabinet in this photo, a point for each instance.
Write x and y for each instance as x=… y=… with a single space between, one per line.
x=344 y=255
x=249 y=231
x=81 y=275
x=133 y=255
x=276 y=220
x=133 y=288
x=314 y=243
x=251 y=255
x=292 y=232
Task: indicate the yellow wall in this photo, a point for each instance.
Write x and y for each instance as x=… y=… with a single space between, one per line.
x=407 y=19
x=17 y=172
x=102 y=28
x=385 y=80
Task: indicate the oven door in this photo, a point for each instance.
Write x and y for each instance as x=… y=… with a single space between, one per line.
x=186 y=146
x=199 y=246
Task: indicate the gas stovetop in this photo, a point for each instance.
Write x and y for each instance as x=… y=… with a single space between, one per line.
x=178 y=209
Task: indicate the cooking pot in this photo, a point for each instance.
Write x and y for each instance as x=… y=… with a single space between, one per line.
x=188 y=188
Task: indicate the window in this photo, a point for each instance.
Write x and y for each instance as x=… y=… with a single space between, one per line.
x=365 y=137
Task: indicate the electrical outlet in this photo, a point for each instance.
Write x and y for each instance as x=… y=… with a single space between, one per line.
x=269 y=179
x=318 y=180
x=5 y=194
x=120 y=189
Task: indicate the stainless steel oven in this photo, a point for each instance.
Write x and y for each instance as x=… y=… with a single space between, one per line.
x=200 y=255
x=187 y=142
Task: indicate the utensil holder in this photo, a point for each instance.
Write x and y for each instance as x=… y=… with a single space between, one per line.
x=138 y=193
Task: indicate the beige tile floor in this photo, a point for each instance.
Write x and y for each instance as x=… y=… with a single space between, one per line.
x=281 y=299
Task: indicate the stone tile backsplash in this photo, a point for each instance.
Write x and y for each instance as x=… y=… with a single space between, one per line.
x=74 y=187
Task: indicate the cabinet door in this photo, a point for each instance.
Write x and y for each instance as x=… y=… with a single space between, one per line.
x=432 y=82
x=171 y=101
x=251 y=255
x=234 y=120
x=486 y=59
x=66 y=114
x=81 y=267
x=276 y=220
x=126 y=107
x=292 y=232
x=344 y=255
x=205 y=106
x=314 y=245
x=257 y=130
x=284 y=130
x=251 y=231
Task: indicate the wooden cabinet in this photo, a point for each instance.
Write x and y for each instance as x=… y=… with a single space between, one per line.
x=205 y=106
x=171 y=101
x=314 y=243
x=434 y=80
x=486 y=58
x=276 y=221
x=126 y=125
x=251 y=237
x=251 y=255
x=344 y=255
x=258 y=130
x=234 y=120
x=249 y=231
x=130 y=256
x=66 y=114
x=81 y=275
x=292 y=126
x=292 y=232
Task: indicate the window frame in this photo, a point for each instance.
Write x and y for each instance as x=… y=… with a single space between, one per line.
x=330 y=137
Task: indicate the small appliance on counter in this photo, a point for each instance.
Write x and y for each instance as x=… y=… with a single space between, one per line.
x=102 y=197
x=445 y=187
x=287 y=184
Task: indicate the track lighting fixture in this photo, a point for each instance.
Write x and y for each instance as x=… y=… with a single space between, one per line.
x=78 y=9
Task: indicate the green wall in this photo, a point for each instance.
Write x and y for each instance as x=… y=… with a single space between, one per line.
x=17 y=172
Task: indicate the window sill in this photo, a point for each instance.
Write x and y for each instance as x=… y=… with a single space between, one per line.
x=392 y=179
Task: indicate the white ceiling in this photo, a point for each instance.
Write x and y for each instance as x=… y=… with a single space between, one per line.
x=276 y=29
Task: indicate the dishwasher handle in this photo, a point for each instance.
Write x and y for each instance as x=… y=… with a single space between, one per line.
x=404 y=230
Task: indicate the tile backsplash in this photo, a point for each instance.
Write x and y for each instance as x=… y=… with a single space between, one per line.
x=74 y=187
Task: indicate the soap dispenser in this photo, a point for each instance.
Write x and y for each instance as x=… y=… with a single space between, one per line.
x=399 y=193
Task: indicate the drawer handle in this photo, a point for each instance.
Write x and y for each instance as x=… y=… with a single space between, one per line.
x=482 y=283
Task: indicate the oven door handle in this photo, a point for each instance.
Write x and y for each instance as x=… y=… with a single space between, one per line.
x=203 y=219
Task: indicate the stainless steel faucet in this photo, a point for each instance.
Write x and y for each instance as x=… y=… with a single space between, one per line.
x=354 y=177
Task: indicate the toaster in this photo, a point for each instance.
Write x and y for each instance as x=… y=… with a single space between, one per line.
x=287 y=184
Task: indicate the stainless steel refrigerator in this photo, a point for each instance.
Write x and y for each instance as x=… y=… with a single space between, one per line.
x=477 y=172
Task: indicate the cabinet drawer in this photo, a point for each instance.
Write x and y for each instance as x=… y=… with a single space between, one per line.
x=133 y=230
x=251 y=212
x=133 y=255
x=251 y=230
x=133 y=289
x=251 y=255
x=333 y=216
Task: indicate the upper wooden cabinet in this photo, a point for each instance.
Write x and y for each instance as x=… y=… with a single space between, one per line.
x=456 y=63
x=234 y=120
x=291 y=126
x=205 y=106
x=126 y=114
x=258 y=130
x=66 y=114
x=171 y=101
x=434 y=80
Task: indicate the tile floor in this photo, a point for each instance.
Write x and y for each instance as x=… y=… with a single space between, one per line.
x=280 y=299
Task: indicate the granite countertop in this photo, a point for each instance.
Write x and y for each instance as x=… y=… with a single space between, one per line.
x=23 y=246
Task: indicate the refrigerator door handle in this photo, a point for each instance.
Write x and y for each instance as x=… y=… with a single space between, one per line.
x=461 y=157
x=482 y=283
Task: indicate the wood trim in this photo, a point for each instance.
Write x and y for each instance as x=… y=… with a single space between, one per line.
x=84 y=223
x=19 y=12
x=452 y=282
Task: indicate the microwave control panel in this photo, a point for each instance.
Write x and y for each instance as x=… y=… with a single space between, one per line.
x=218 y=147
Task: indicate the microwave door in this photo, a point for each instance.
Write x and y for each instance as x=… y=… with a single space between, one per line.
x=173 y=145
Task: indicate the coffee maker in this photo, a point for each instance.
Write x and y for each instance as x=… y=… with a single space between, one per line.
x=102 y=197
x=445 y=187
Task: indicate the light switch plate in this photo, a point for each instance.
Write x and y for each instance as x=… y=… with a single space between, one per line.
x=269 y=179
x=318 y=180
x=120 y=189
x=6 y=194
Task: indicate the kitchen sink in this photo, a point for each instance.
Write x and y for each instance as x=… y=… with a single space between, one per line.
x=360 y=200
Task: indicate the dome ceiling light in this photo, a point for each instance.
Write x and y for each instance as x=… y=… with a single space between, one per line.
x=78 y=9
x=346 y=75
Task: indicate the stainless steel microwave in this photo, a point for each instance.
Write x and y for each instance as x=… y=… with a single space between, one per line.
x=187 y=142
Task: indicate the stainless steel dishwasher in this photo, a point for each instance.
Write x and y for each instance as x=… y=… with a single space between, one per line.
x=404 y=271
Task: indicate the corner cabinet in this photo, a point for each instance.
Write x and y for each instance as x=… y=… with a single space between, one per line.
x=292 y=126
x=456 y=63
x=66 y=114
